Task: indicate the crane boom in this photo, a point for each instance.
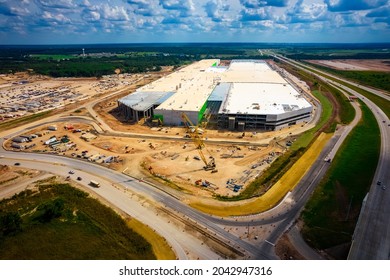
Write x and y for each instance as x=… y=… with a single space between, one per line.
x=195 y=132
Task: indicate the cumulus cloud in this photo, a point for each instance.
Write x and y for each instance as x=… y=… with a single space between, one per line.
x=9 y=9
x=216 y=9
x=57 y=4
x=184 y=7
x=254 y=14
x=58 y=18
x=301 y=12
x=114 y=13
x=212 y=19
x=144 y=7
x=90 y=15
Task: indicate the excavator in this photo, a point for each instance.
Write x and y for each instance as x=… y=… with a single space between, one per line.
x=195 y=134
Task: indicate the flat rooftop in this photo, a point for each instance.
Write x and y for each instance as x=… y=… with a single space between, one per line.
x=142 y=101
x=192 y=85
x=251 y=71
x=262 y=98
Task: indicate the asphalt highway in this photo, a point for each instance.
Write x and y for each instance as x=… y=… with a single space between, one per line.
x=371 y=239
x=142 y=201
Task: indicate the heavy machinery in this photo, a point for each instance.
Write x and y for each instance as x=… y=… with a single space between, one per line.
x=195 y=134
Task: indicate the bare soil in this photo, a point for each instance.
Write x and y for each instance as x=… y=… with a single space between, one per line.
x=285 y=250
x=356 y=64
x=169 y=159
x=175 y=162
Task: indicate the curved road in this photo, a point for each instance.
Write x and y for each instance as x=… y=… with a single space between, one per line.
x=371 y=239
x=140 y=200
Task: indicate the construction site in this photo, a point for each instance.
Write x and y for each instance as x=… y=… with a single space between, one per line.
x=199 y=153
x=180 y=163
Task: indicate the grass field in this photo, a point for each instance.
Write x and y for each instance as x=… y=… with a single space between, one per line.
x=53 y=56
x=274 y=195
x=332 y=212
x=377 y=79
x=58 y=221
x=308 y=136
x=161 y=248
x=379 y=101
x=24 y=120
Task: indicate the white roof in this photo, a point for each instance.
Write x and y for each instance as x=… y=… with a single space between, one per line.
x=262 y=98
x=142 y=101
x=194 y=84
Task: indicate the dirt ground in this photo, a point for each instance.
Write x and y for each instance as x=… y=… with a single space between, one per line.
x=285 y=251
x=12 y=175
x=174 y=162
x=168 y=159
x=356 y=64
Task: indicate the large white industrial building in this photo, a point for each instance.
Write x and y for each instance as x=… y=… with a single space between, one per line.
x=247 y=94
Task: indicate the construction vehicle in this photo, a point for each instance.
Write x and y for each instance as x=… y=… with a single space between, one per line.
x=195 y=134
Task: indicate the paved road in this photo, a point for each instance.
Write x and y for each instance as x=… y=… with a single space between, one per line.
x=371 y=238
x=128 y=195
x=280 y=218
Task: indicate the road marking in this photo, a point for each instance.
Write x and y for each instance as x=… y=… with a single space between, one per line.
x=269 y=242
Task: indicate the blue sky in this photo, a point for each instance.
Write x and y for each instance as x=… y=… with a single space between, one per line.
x=134 y=21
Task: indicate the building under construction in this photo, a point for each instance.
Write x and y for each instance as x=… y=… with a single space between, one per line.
x=247 y=94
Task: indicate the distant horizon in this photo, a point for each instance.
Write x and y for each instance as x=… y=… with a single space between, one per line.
x=211 y=43
x=68 y=22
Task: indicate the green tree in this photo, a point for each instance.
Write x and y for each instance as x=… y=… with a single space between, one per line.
x=10 y=223
x=50 y=210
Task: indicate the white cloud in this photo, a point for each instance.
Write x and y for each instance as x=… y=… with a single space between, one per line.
x=302 y=12
x=114 y=13
x=57 y=4
x=59 y=18
x=194 y=19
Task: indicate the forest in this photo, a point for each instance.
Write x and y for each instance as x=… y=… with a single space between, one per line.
x=98 y=60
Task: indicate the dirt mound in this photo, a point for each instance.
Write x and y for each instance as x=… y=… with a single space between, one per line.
x=4 y=169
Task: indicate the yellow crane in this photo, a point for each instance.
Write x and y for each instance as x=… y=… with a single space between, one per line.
x=195 y=133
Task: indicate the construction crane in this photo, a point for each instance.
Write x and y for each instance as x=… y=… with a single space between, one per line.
x=195 y=133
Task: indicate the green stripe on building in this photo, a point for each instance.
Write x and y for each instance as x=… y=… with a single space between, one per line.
x=201 y=111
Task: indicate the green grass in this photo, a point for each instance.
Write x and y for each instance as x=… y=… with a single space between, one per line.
x=307 y=137
x=23 y=120
x=379 y=101
x=376 y=79
x=53 y=56
x=346 y=113
x=60 y=222
x=331 y=214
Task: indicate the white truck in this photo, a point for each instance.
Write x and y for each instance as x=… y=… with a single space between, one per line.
x=94 y=184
